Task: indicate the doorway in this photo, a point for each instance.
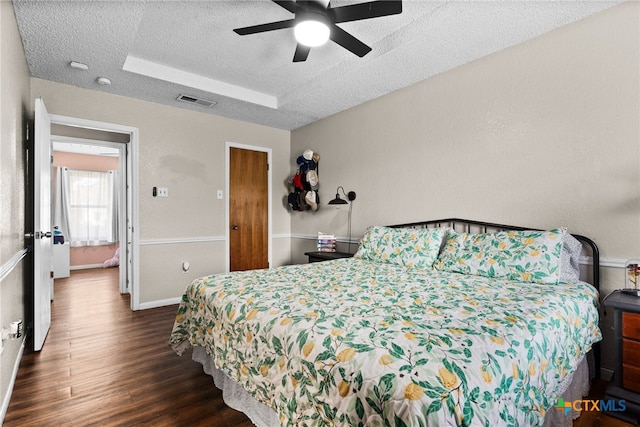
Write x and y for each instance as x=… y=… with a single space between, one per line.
x=39 y=183
x=128 y=209
x=95 y=169
x=248 y=207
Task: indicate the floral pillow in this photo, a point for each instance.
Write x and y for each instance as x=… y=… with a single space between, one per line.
x=528 y=255
x=403 y=246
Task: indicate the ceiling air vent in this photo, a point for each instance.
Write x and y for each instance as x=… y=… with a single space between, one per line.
x=197 y=101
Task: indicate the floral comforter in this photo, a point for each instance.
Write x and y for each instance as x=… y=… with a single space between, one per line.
x=355 y=342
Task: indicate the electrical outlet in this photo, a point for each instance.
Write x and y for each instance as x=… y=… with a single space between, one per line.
x=163 y=192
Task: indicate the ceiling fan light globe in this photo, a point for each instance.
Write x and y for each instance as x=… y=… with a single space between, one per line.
x=311 y=33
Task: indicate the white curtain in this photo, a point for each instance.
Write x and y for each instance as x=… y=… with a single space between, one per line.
x=61 y=202
x=86 y=208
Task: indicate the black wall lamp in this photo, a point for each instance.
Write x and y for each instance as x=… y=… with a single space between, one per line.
x=351 y=196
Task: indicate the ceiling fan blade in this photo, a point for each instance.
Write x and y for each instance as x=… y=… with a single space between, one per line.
x=302 y=52
x=348 y=42
x=372 y=9
x=290 y=5
x=278 y=25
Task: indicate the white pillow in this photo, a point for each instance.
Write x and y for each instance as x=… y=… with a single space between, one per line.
x=570 y=259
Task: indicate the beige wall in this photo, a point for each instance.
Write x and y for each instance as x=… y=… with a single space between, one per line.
x=14 y=111
x=184 y=151
x=85 y=161
x=545 y=133
x=542 y=134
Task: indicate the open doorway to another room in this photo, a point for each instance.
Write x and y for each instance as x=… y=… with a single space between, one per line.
x=89 y=200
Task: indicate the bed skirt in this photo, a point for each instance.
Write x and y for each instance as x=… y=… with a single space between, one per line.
x=234 y=395
x=574 y=387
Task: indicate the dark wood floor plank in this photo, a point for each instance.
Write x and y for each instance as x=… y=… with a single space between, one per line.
x=104 y=365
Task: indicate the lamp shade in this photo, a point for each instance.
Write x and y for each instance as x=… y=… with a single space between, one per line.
x=351 y=196
x=338 y=201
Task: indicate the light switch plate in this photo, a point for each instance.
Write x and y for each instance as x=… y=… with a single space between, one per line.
x=219 y=194
x=163 y=192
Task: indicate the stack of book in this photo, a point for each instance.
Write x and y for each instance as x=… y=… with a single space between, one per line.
x=326 y=242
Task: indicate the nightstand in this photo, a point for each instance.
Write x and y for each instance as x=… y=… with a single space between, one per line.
x=625 y=384
x=326 y=256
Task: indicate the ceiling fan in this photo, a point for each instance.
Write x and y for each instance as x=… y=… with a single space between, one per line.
x=314 y=23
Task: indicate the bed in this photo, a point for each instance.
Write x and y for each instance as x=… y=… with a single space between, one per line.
x=437 y=323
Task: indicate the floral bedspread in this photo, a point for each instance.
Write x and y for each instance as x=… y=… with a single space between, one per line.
x=354 y=342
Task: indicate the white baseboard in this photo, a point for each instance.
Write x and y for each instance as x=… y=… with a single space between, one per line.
x=14 y=374
x=159 y=303
x=85 y=267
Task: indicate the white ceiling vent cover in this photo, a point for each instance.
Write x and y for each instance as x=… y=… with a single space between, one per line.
x=197 y=101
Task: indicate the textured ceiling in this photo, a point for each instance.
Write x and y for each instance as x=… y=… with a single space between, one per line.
x=156 y=50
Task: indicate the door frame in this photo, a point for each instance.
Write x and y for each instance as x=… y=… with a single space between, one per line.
x=122 y=200
x=228 y=146
x=129 y=252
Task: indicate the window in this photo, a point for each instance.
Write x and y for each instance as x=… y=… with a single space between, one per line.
x=92 y=208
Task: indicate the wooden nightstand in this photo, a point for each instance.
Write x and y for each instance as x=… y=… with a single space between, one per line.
x=625 y=384
x=326 y=256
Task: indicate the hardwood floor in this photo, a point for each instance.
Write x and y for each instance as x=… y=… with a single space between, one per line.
x=103 y=364
x=594 y=418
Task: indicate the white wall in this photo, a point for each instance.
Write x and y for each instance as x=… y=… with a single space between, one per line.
x=185 y=152
x=14 y=113
x=543 y=134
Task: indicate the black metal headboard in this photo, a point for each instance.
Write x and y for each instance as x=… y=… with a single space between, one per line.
x=472 y=226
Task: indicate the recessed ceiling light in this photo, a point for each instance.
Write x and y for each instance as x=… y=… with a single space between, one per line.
x=104 y=81
x=79 y=66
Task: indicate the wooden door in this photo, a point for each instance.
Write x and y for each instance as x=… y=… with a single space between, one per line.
x=248 y=209
x=42 y=250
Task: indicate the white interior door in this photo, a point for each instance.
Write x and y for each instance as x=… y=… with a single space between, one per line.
x=42 y=250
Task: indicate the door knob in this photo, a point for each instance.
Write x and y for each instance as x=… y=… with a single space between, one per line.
x=234 y=227
x=38 y=235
